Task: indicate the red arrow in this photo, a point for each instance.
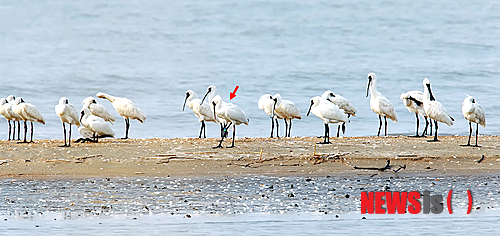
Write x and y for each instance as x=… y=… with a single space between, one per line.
x=233 y=94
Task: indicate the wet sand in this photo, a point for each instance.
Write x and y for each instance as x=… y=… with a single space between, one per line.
x=192 y=157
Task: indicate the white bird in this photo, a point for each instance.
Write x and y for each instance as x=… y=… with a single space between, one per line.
x=27 y=112
x=126 y=108
x=211 y=90
x=231 y=114
x=380 y=104
x=328 y=112
x=201 y=110
x=97 y=125
x=97 y=109
x=473 y=112
x=414 y=102
x=287 y=110
x=6 y=111
x=435 y=110
x=67 y=114
x=343 y=104
x=266 y=103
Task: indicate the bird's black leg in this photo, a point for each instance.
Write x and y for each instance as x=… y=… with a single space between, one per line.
x=223 y=134
x=290 y=129
x=470 y=133
x=338 y=130
x=19 y=130
x=418 y=124
x=430 y=121
x=477 y=131
x=272 y=126
x=201 y=128
x=204 y=130
x=64 y=131
x=277 y=128
x=385 y=119
x=31 y=132
x=25 y=132
x=69 y=140
x=424 y=133
x=234 y=135
x=286 y=128
x=127 y=127
x=379 y=125
x=326 y=139
x=435 y=133
x=8 y=121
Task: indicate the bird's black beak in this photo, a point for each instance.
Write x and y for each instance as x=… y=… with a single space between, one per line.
x=331 y=94
x=215 y=115
x=473 y=100
x=205 y=96
x=185 y=99
x=309 y=111
x=274 y=107
x=430 y=92
x=81 y=116
x=368 y=87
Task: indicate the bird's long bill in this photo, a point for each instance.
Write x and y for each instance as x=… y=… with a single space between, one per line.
x=310 y=106
x=185 y=99
x=206 y=94
x=274 y=107
x=81 y=116
x=215 y=114
x=432 y=98
x=368 y=87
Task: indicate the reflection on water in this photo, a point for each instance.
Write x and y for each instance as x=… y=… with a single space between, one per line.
x=200 y=205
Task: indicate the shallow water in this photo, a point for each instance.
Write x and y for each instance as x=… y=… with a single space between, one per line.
x=153 y=51
x=250 y=205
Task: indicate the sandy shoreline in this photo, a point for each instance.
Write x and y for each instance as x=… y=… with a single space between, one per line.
x=192 y=157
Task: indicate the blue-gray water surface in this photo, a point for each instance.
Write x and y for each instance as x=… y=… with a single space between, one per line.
x=153 y=51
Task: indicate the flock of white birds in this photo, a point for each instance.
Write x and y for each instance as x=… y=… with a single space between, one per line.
x=93 y=120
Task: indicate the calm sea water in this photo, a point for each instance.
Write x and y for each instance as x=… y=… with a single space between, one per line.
x=153 y=51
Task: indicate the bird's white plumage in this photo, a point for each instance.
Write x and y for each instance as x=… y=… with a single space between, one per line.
x=97 y=109
x=211 y=93
x=125 y=107
x=202 y=111
x=266 y=104
x=85 y=132
x=285 y=108
x=3 y=111
x=340 y=101
x=327 y=111
x=66 y=112
x=27 y=111
x=229 y=112
x=378 y=103
x=95 y=124
x=434 y=109
x=411 y=105
x=472 y=111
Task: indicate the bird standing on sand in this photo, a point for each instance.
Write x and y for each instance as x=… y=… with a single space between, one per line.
x=97 y=125
x=328 y=112
x=27 y=112
x=287 y=110
x=435 y=110
x=343 y=104
x=414 y=102
x=211 y=90
x=231 y=114
x=3 y=111
x=201 y=110
x=6 y=111
x=126 y=108
x=67 y=114
x=97 y=109
x=266 y=103
x=380 y=104
x=473 y=112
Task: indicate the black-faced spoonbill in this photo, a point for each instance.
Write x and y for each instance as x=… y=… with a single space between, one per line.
x=473 y=112
x=343 y=104
x=211 y=90
x=266 y=103
x=97 y=125
x=97 y=109
x=414 y=102
x=3 y=105
x=6 y=111
x=27 y=112
x=328 y=112
x=287 y=110
x=380 y=104
x=231 y=114
x=435 y=110
x=67 y=114
x=201 y=110
x=126 y=108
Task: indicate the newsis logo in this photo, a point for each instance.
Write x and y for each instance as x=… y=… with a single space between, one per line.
x=403 y=202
